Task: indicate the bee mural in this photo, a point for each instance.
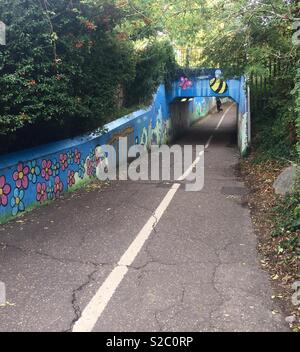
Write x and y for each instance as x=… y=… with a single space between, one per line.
x=217 y=84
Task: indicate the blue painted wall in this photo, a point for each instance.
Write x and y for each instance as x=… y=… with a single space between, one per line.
x=199 y=107
x=42 y=174
x=36 y=175
x=236 y=89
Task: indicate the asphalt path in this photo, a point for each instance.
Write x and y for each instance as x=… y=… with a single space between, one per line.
x=142 y=256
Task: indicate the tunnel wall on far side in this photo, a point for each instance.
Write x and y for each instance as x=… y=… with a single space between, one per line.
x=243 y=118
x=185 y=113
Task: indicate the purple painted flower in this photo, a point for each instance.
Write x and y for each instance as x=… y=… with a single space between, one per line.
x=185 y=83
x=46 y=169
x=21 y=176
x=41 y=192
x=4 y=191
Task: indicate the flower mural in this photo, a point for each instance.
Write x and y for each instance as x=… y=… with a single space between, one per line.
x=16 y=202
x=81 y=170
x=34 y=171
x=55 y=167
x=90 y=168
x=71 y=178
x=185 y=83
x=70 y=157
x=41 y=192
x=46 y=169
x=21 y=176
x=63 y=161
x=47 y=177
x=58 y=186
x=77 y=156
x=50 y=190
x=4 y=191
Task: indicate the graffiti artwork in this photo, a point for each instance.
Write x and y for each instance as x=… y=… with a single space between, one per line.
x=185 y=83
x=25 y=183
x=44 y=179
x=217 y=84
x=124 y=133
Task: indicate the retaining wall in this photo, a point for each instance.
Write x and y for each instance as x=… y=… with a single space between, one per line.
x=35 y=176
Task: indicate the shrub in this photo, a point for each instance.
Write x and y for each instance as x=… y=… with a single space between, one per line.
x=59 y=70
x=155 y=64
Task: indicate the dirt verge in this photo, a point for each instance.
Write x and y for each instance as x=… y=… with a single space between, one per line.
x=283 y=266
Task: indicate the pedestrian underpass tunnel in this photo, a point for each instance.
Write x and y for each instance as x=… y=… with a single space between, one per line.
x=195 y=120
x=191 y=98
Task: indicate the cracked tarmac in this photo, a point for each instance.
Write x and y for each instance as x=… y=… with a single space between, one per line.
x=199 y=270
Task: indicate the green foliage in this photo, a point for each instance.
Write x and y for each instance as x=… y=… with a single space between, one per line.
x=62 y=68
x=296 y=94
x=287 y=222
x=274 y=123
x=155 y=62
x=242 y=37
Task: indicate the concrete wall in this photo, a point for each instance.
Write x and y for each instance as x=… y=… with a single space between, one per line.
x=199 y=108
x=184 y=114
x=199 y=86
x=34 y=176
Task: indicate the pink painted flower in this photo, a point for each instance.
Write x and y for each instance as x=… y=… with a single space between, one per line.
x=89 y=167
x=77 y=156
x=63 y=161
x=41 y=192
x=4 y=191
x=71 y=178
x=58 y=186
x=185 y=83
x=21 y=176
x=46 y=169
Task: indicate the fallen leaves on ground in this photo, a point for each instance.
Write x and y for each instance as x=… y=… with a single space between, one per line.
x=283 y=266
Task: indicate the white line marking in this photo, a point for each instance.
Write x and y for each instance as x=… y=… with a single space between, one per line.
x=190 y=169
x=218 y=126
x=98 y=303
x=209 y=141
x=96 y=306
x=222 y=118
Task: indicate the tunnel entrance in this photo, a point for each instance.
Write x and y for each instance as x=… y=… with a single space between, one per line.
x=205 y=84
x=195 y=119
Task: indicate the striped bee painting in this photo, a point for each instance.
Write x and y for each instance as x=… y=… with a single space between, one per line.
x=218 y=85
